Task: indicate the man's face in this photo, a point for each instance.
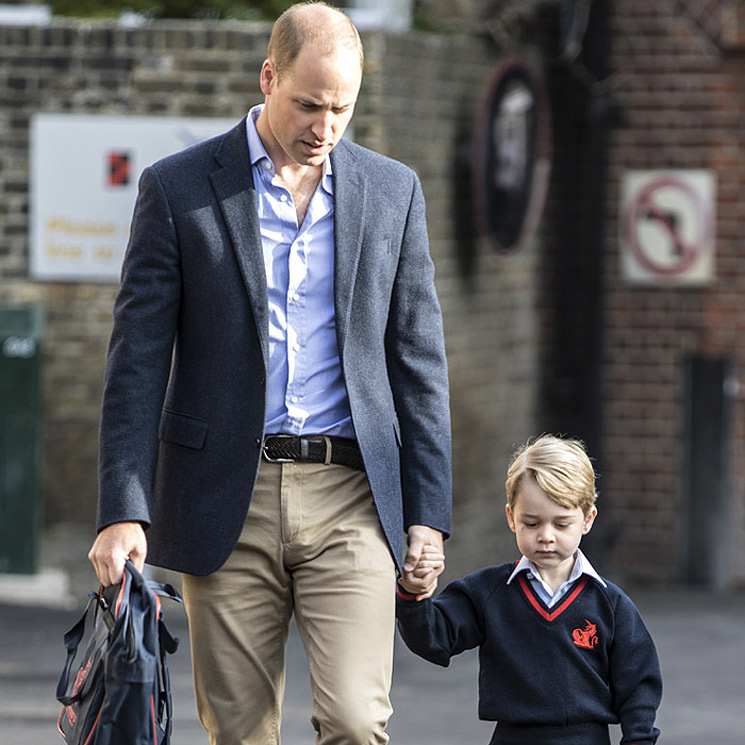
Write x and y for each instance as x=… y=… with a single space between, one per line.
x=308 y=110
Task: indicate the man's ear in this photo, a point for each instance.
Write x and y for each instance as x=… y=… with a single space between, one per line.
x=267 y=77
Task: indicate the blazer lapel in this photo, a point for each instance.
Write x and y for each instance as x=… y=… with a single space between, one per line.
x=350 y=197
x=234 y=188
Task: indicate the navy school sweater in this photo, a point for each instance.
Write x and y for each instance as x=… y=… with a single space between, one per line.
x=589 y=659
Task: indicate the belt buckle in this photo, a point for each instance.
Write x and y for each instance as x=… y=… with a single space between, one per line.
x=323 y=439
x=276 y=460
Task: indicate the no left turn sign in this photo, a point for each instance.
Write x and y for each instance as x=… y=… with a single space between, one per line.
x=667 y=227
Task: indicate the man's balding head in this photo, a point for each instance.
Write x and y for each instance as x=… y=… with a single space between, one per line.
x=316 y=23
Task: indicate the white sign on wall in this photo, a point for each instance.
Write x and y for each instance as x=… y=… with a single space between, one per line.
x=667 y=227
x=84 y=173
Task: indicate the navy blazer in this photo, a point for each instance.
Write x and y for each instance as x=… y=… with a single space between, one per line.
x=185 y=391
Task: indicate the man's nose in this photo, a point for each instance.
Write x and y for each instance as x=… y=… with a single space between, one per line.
x=323 y=126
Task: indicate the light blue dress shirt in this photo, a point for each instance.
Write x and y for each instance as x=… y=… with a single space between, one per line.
x=306 y=393
x=581 y=566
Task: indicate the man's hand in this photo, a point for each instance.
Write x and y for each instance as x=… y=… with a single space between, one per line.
x=113 y=546
x=424 y=562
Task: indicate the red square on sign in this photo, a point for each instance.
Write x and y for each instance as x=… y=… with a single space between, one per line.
x=119 y=169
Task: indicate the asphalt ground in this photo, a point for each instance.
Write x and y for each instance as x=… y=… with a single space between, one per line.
x=700 y=637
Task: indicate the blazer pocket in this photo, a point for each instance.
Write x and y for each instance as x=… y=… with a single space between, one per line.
x=182 y=429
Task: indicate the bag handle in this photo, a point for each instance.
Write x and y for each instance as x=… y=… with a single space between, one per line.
x=103 y=605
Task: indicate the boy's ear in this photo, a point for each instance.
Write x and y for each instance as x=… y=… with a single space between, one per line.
x=589 y=520
x=510 y=517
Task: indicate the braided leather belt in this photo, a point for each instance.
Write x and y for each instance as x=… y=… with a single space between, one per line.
x=313 y=449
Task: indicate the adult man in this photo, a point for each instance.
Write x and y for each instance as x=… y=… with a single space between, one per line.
x=278 y=344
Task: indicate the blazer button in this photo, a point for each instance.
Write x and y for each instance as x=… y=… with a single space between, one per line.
x=257 y=442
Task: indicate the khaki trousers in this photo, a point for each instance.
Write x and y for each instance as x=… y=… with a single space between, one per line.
x=312 y=545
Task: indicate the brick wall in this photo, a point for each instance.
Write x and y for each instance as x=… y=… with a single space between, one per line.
x=173 y=69
x=678 y=78
x=419 y=97
x=676 y=74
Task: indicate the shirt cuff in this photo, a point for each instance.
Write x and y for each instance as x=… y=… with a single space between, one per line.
x=406 y=595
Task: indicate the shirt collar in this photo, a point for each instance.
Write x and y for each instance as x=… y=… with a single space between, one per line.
x=582 y=566
x=258 y=155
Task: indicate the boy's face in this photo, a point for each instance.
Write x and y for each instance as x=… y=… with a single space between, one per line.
x=547 y=533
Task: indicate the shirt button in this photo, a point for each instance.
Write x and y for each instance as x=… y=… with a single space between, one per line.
x=295 y=347
x=293 y=399
x=295 y=297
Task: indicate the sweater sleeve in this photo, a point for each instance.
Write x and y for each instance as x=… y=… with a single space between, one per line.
x=635 y=677
x=442 y=627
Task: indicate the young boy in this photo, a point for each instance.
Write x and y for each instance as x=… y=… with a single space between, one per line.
x=563 y=653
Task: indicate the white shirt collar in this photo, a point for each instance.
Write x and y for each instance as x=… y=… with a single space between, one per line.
x=581 y=566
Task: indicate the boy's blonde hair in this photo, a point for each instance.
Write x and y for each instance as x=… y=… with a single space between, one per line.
x=560 y=466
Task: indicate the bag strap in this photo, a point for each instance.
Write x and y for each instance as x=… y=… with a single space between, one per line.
x=72 y=642
x=73 y=638
x=164 y=590
x=167 y=643
x=161 y=589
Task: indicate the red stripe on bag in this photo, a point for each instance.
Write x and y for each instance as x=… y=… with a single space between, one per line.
x=155 y=726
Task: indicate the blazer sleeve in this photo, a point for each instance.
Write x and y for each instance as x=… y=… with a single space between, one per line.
x=139 y=358
x=417 y=368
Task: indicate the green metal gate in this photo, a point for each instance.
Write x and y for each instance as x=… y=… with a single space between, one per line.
x=21 y=331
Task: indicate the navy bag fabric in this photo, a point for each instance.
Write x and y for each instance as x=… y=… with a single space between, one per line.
x=115 y=688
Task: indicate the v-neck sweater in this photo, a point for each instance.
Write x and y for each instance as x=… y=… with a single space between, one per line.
x=589 y=659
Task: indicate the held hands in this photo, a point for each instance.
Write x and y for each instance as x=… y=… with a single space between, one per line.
x=424 y=562
x=113 y=546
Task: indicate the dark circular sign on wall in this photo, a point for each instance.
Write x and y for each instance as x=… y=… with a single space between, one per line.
x=512 y=154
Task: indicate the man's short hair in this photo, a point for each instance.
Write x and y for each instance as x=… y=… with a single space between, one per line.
x=299 y=24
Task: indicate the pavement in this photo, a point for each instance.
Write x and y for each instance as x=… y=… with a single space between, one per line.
x=700 y=635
